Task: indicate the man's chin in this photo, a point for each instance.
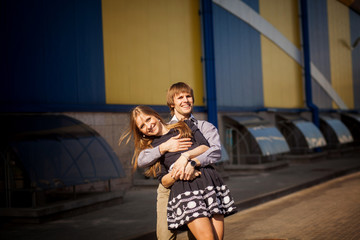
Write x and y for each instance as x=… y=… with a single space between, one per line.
x=187 y=111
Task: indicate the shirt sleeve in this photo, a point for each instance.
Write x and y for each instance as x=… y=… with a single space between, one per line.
x=211 y=134
x=148 y=157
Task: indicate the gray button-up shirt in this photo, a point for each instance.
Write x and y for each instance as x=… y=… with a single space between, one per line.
x=149 y=156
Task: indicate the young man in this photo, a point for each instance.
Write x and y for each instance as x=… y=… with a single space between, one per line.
x=180 y=99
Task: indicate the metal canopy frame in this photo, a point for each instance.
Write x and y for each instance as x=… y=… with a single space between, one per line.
x=251 y=139
x=302 y=135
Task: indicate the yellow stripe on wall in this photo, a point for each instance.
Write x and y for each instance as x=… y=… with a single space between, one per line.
x=282 y=76
x=340 y=51
x=148 y=45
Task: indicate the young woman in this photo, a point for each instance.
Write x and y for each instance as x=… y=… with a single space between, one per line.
x=199 y=204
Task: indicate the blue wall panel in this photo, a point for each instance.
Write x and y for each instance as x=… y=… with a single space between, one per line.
x=237 y=60
x=319 y=48
x=53 y=52
x=355 y=34
x=91 y=79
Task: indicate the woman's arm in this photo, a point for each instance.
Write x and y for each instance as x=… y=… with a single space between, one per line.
x=165 y=177
x=149 y=156
x=167 y=180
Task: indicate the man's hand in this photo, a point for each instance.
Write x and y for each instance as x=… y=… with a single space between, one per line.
x=196 y=174
x=175 y=144
x=190 y=173
x=178 y=170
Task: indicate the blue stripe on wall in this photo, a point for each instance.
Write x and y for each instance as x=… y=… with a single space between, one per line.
x=355 y=34
x=319 y=48
x=237 y=60
x=53 y=52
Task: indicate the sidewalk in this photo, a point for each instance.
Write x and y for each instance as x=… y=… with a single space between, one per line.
x=135 y=218
x=327 y=211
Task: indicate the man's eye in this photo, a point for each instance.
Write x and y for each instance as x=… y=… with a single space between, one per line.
x=141 y=126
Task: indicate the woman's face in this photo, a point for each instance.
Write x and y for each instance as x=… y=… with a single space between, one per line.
x=149 y=125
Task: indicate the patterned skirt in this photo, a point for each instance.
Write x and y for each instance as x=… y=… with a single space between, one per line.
x=203 y=197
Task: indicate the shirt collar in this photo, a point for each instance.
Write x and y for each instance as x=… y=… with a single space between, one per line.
x=174 y=119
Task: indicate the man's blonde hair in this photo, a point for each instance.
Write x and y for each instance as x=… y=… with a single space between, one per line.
x=177 y=88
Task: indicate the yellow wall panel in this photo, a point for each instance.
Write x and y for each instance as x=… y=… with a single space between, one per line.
x=282 y=82
x=340 y=51
x=283 y=15
x=148 y=45
x=282 y=76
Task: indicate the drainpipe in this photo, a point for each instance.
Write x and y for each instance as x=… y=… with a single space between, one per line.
x=307 y=68
x=207 y=24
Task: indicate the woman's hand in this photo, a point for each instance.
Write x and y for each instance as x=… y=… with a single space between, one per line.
x=178 y=170
x=190 y=173
x=179 y=165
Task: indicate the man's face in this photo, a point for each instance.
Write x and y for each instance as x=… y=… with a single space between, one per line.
x=183 y=105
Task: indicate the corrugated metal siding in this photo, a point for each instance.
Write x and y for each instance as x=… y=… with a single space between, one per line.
x=319 y=48
x=340 y=51
x=237 y=60
x=355 y=34
x=148 y=45
x=53 y=52
x=282 y=80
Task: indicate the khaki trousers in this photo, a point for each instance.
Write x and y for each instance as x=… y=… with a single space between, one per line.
x=162 y=231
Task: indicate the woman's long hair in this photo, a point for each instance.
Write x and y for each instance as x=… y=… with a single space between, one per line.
x=142 y=141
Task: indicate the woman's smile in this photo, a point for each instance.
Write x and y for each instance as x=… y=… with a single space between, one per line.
x=149 y=125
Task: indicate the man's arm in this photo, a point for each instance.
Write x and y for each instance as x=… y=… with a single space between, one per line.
x=182 y=162
x=149 y=156
x=211 y=134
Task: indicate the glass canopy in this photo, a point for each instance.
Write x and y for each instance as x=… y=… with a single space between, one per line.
x=57 y=151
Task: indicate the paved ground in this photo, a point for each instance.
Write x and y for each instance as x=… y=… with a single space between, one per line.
x=328 y=211
x=135 y=217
